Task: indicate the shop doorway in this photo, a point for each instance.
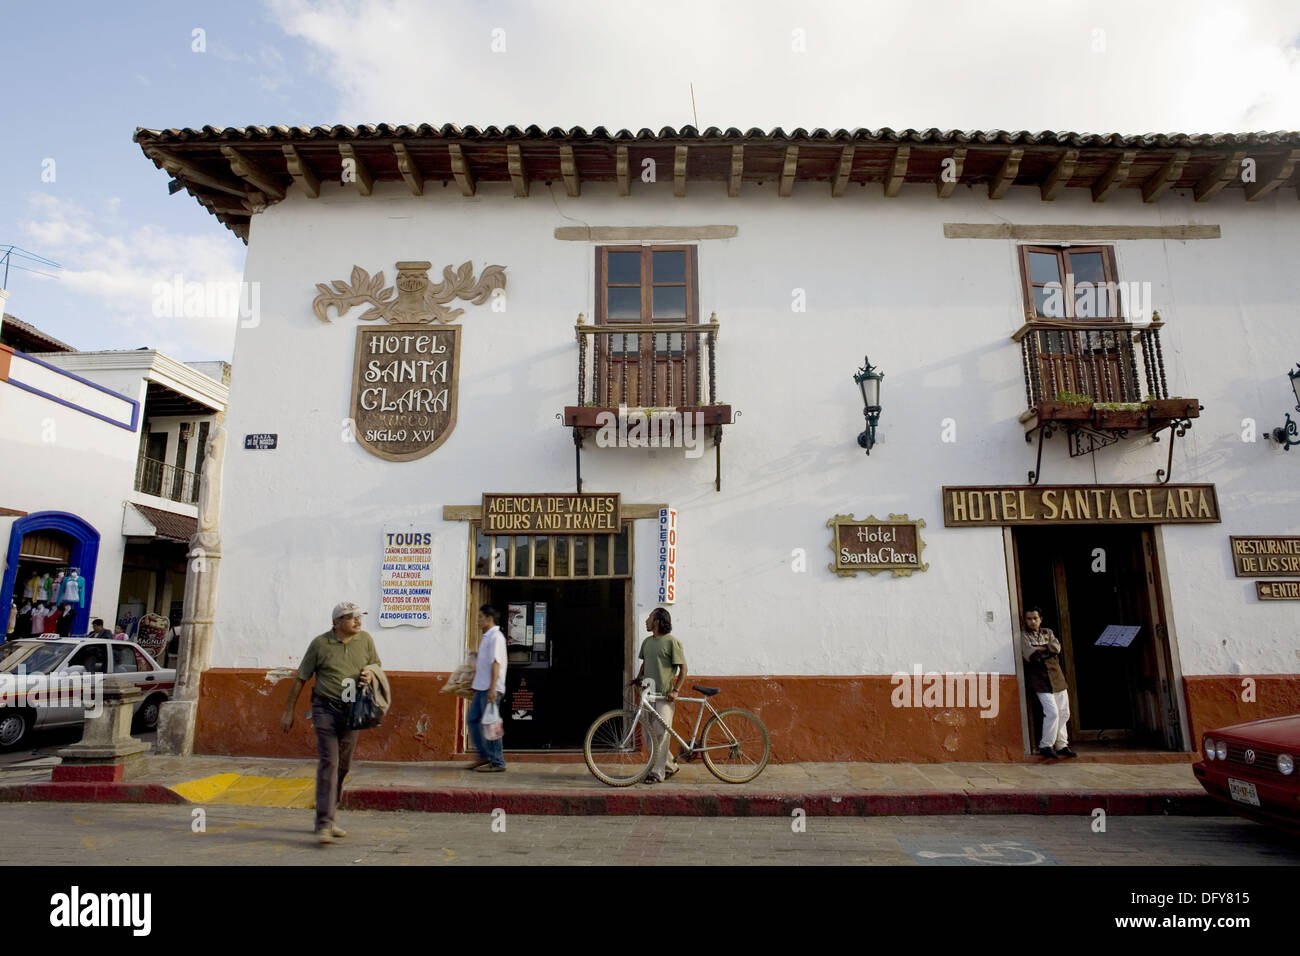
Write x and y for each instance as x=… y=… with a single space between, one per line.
x=50 y=564
x=1086 y=579
x=564 y=601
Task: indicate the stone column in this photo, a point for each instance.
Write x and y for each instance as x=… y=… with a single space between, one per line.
x=177 y=716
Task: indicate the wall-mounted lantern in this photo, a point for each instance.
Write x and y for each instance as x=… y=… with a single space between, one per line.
x=868 y=381
x=1286 y=435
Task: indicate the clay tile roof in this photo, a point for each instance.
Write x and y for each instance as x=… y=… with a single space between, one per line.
x=168 y=524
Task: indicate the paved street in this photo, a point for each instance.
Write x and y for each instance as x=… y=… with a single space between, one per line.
x=94 y=834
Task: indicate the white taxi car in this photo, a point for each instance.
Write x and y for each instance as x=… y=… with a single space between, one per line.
x=68 y=656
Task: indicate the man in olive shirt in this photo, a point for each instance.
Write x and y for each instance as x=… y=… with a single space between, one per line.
x=1043 y=677
x=661 y=655
x=336 y=659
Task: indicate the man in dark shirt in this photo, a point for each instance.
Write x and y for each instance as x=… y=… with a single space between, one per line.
x=1042 y=653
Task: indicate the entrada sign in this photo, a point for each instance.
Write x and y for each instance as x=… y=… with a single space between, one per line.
x=551 y=514
x=404 y=382
x=988 y=505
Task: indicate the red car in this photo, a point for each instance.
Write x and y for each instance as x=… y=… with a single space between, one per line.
x=1251 y=768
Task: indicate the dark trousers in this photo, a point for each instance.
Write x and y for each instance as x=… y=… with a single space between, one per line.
x=334 y=745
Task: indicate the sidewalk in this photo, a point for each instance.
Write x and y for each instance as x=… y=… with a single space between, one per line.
x=837 y=789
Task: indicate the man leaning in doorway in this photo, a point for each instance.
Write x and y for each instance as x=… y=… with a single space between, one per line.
x=1042 y=653
x=337 y=659
x=661 y=655
x=489 y=686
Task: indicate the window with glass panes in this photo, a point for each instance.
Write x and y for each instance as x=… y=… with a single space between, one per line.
x=646 y=285
x=1070 y=282
x=552 y=556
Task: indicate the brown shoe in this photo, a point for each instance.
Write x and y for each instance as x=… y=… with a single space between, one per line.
x=476 y=764
x=487 y=767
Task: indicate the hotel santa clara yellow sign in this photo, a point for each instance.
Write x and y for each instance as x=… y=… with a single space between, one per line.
x=998 y=505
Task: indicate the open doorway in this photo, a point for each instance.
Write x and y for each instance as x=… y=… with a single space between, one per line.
x=1088 y=578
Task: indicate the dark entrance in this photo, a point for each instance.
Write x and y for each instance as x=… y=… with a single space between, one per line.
x=557 y=686
x=1086 y=578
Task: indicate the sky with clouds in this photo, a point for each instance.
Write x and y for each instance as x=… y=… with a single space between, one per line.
x=84 y=75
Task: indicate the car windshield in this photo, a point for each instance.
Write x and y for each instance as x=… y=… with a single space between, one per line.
x=11 y=653
x=41 y=659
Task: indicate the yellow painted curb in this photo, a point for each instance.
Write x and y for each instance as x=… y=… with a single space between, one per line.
x=233 y=789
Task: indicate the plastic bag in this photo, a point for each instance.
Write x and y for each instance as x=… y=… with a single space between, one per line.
x=494 y=728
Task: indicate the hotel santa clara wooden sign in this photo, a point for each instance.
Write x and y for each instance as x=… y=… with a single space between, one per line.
x=406 y=371
x=874 y=545
x=996 y=505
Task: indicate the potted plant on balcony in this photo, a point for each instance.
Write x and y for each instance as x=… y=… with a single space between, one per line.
x=1119 y=415
x=1066 y=407
x=1173 y=408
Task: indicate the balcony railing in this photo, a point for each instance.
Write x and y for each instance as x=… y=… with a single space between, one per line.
x=155 y=477
x=647 y=365
x=1092 y=359
x=664 y=373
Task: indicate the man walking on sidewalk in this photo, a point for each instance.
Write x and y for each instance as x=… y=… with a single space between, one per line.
x=1042 y=653
x=661 y=654
x=489 y=686
x=337 y=660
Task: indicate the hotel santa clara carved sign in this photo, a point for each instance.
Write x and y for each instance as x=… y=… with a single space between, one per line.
x=406 y=371
x=994 y=505
x=873 y=545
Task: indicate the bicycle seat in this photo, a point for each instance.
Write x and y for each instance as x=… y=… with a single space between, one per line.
x=706 y=691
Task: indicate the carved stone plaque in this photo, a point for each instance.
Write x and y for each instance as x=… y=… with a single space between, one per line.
x=404 y=389
x=874 y=545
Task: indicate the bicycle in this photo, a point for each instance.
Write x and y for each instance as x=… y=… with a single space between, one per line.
x=620 y=745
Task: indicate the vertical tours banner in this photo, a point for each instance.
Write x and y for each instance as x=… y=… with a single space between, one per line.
x=406 y=580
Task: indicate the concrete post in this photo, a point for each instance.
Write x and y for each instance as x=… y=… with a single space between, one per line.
x=106 y=751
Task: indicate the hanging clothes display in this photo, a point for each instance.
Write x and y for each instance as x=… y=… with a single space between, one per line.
x=23 y=628
x=31 y=586
x=52 y=621
x=43 y=587
x=39 y=613
x=63 y=625
x=73 y=589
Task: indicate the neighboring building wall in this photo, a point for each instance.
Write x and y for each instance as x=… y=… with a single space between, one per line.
x=301 y=524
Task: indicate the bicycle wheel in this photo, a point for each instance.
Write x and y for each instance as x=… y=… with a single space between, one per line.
x=619 y=747
x=744 y=746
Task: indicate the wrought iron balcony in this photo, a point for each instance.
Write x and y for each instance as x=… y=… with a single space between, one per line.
x=153 y=477
x=662 y=374
x=1098 y=381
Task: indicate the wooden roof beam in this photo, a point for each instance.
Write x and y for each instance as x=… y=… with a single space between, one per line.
x=460 y=169
x=1272 y=176
x=518 y=177
x=178 y=167
x=1059 y=175
x=737 y=171
x=945 y=186
x=364 y=180
x=1114 y=177
x=1006 y=174
x=301 y=172
x=843 y=172
x=1220 y=176
x=1165 y=176
x=409 y=170
x=253 y=173
x=897 y=170
x=569 y=169
x=620 y=170
x=788 y=171
x=679 y=172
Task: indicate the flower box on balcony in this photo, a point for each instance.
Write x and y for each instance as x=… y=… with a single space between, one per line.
x=1173 y=408
x=1119 y=416
x=1064 y=411
x=597 y=416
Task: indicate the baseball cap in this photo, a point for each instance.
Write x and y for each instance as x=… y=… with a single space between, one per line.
x=346 y=609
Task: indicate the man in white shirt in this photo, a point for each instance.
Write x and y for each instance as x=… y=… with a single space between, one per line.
x=489 y=687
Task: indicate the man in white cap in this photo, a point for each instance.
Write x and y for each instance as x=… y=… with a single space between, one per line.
x=336 y=659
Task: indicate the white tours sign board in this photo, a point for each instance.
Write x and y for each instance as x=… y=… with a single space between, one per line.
x=406 y=579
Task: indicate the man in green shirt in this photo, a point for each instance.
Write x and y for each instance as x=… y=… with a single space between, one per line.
x=661 y=655
x=336 y=659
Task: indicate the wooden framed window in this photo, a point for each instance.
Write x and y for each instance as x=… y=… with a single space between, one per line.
x=646 y=285
x=1070 y=282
